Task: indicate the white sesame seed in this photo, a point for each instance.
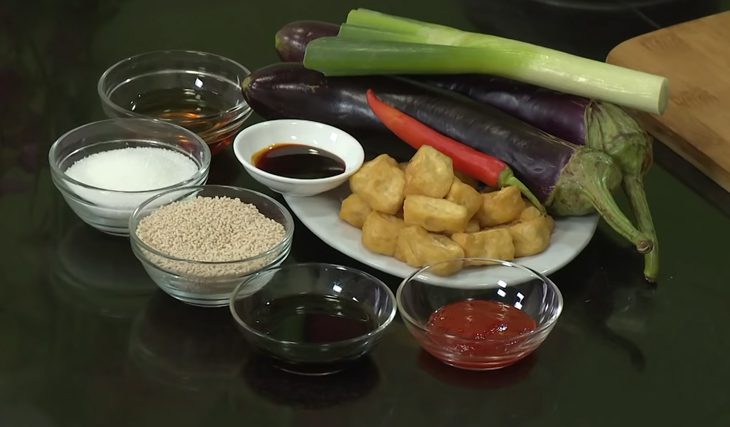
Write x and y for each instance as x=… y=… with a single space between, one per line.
x=210 y=229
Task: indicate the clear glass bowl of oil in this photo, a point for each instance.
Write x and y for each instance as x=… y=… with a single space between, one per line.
x=313 y=318
x=196 y=90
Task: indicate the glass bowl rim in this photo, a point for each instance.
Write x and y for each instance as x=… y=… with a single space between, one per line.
x=377 y=331
x=241 y=105
x=538 y=330
x=276 y=249
x=201 y=171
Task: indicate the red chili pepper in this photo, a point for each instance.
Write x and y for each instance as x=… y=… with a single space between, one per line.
x=483 y=167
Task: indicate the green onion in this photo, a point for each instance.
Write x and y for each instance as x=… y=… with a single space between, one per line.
x=375 y=43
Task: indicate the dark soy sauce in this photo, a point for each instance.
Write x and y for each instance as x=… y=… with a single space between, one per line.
x=298 y=161
x=314 y=319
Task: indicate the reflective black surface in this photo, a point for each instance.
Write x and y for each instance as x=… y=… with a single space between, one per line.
x=88 y=340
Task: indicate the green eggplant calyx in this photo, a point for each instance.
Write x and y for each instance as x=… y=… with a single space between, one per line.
x=611 y=129
x=587 y=181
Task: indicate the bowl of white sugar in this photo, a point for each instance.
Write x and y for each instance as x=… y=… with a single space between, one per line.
x=106 y=169
x=198 y=243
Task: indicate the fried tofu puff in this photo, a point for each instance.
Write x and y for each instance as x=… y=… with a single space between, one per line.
x=380 y=182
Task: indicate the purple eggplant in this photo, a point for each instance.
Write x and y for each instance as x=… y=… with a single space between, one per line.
x=554 y=112
x=287 y=90
x=573 y=118
x=568 y=179
x=291 y=40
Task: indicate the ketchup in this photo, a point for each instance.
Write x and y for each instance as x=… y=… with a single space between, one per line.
x=490 y=324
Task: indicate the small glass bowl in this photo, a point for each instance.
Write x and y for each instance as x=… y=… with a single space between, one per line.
x=519 y=287
x=208 y=284
x=324 y=351
x=109 y=210
x=197 y=90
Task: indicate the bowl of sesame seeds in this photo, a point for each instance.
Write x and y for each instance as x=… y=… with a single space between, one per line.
x=198 y=243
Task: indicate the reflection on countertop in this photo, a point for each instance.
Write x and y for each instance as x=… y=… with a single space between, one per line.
x=99 y=273
x=609 y=303
x=266 y=379
x=484 y=380
x=188 y=347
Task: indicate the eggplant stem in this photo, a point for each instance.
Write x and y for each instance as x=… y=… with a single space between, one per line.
x=593 y=174
x=634 y=188
x=507 y=178
x=615 y=132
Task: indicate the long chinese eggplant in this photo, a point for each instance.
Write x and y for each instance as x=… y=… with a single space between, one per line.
x=287 y=90
x=568 y=179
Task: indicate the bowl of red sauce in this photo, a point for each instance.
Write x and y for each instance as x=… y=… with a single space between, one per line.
x=490 y=322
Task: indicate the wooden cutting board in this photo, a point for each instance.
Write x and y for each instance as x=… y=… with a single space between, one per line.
x=695 y=57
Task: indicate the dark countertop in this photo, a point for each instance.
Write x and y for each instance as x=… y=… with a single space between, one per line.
x=87 y=339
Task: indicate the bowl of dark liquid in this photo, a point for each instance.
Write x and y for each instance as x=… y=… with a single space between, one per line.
x=298 y=157
x=196 y=90
x=313 y=318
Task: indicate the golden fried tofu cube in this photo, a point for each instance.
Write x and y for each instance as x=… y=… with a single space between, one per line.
x=406 y=248
x=402 y=166
x=500 y=207
x=417 y=248
x=380 y=232
x=532 y=236
x=472 y=226
x=434 y=214
x=530 y=212
x=466 y=179
x=466 y=196
x=494 y=243
x=429 y=173
x=380 y=183
x=354 y=210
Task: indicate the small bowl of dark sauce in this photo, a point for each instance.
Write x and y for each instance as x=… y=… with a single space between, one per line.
x=313 y=318
x=298 y=157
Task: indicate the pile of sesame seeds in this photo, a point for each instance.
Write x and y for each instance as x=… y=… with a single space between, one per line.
x=204 y=231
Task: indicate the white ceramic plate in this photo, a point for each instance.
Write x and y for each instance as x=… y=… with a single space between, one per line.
x=320 y=214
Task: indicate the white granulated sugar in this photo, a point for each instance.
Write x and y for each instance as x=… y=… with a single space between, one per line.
x=133 y=169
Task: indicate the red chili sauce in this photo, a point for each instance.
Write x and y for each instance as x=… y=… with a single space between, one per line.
x=479 y=320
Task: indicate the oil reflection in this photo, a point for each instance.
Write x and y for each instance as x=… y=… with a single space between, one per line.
x=267 y=380
x=186 y=347
x=98 y=273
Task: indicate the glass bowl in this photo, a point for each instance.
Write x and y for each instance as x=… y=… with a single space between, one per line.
x=197 y=90
x=208 y=283
x=313 y=318
x=479 y=324
x=109 y=210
